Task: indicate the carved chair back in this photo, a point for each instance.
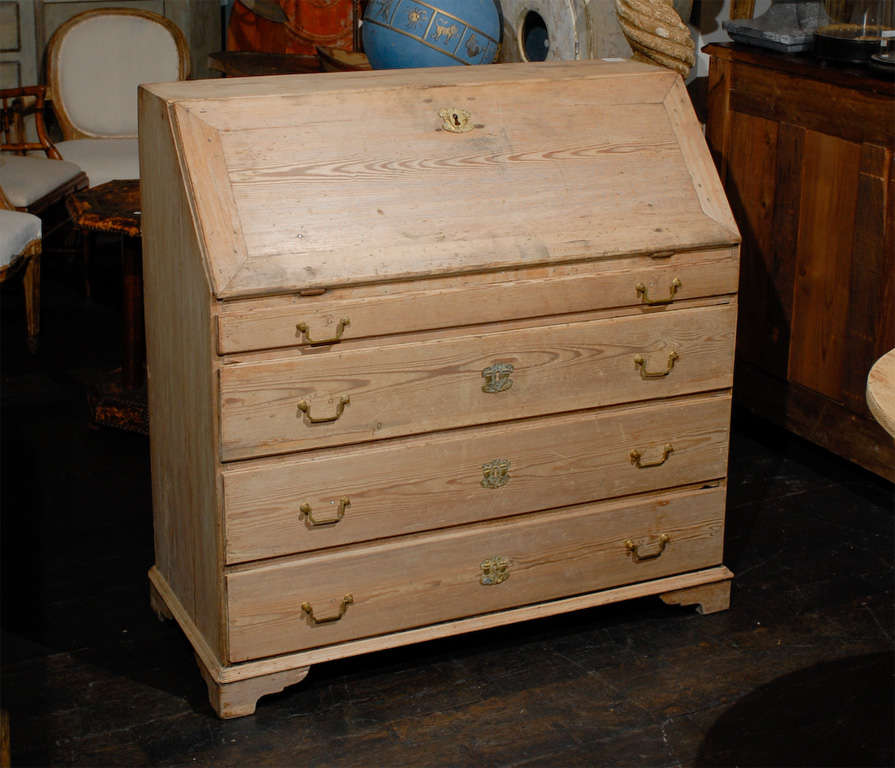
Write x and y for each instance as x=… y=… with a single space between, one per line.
x=96 y=60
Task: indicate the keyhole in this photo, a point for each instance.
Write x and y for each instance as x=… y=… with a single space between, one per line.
x=456 y=119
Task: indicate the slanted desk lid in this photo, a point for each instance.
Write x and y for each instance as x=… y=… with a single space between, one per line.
x=335 y=179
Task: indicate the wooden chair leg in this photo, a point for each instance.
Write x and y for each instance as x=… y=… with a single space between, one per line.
x=32 y=299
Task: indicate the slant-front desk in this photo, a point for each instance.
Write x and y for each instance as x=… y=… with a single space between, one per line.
x=429 y=351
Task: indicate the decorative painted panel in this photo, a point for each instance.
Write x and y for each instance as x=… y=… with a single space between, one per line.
x=10 y=28
x=18 y=57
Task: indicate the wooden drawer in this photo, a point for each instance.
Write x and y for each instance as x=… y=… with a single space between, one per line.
x=470 y=475
x=418 y=580
x=390 y=391
x=380 y=310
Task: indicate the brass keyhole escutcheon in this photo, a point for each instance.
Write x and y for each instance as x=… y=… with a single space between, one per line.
x=497 y=377
x=495 y=570
x=456 y=120
x=496 y=474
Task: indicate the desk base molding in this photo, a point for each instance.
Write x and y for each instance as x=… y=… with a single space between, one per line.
x=235 y=689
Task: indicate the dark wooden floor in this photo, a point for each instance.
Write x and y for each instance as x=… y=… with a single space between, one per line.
x=798 y=672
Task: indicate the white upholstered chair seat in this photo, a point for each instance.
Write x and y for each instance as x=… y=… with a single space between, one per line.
x=25 y=180
x=17 y=230
x=103 y=159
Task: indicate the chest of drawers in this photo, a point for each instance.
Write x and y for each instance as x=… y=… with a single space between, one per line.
x=429 y=351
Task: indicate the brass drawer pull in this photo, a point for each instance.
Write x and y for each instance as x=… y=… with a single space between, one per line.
x=305 y=511
x=305 y=408
x=495 y=570
x=496 y=474
x=644 y=293
x=301 y=330
x=497 y=377
x=636 y=458
x=634 y=549
x=346 y=601
x=456 y=120
x=645 y=374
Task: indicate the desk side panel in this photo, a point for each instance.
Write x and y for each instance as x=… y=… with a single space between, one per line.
x=181 y=380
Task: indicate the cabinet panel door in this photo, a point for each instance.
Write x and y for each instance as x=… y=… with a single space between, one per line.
x=817 y=352
x=18 y=52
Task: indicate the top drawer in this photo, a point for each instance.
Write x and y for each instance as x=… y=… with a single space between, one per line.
x=353 y=313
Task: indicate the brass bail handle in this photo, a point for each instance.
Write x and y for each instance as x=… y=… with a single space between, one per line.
x=314 y=620
x=305 y=511
x=302 y=331
x=645 y=374
x=643 y=292
x=636 y=458
x=305 y=408
x=634 y=549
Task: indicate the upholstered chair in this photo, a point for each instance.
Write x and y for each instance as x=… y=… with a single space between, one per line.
x=20 y=245
x=33 y=174
x=95 y=61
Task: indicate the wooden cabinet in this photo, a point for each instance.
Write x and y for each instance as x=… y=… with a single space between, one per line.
x=805 y=152
x=429 y=351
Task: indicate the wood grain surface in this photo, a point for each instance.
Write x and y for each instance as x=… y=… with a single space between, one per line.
x=181 y=384
x=256 y=324
x=315 y=203
x=284 y=87
x=426 y=483
x=847 y=113
x=404 y=389
x=409 y=582
x=820 y=308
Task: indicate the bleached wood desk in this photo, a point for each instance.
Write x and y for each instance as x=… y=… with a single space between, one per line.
x=430 y=351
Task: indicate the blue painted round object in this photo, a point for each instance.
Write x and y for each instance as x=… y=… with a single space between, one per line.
x=411 y=33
